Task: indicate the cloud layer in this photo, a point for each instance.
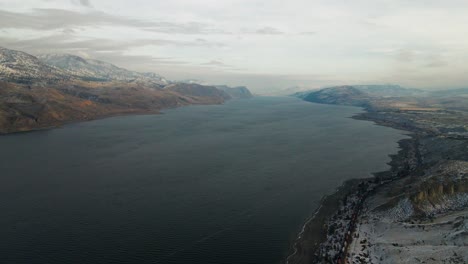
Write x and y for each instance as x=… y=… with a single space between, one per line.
x=306 y=43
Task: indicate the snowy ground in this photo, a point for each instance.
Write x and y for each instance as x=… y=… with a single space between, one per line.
x=381 y=239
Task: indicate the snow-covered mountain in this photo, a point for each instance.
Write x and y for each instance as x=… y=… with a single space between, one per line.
x=53 y=89
x=96 y=70
x=21 y=67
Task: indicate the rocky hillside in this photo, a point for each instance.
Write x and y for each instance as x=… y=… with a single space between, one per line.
x=197 y=90
x=389 y=97
x=416 y=219
x=342 y=95
x=389 y=90
x=440 y=189
x=239 y=92
x=375 y=91
x=417 y=212
x=95 y=70
x=47 y=92
x=20 y=67
x=29 y=107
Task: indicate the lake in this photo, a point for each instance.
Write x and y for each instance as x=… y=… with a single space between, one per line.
x=228 y=183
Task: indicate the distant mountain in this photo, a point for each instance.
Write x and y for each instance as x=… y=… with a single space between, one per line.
x=389 y=90
x=377 y=98
x=198 y=90
x=239 y=92
x=342 y=95
x=303 y=94
x=95 y=70
x=37 y=93
x=376 y=91
x=451 y=92
x=21 y=67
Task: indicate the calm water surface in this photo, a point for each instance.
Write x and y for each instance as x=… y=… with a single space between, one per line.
x=231 y=183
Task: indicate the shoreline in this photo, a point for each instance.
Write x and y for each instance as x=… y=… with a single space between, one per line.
x=308 y=240
x=135 y=112
x=314 y=231
x=76 y=121
x=100 y=117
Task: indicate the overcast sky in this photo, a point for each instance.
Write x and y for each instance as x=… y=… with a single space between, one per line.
x=268 y=45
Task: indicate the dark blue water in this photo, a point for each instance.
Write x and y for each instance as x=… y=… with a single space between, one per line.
x=218 y=184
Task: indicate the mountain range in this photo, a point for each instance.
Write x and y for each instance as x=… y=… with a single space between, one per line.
x=385 y=97
x=95 y=70
x=52 y=89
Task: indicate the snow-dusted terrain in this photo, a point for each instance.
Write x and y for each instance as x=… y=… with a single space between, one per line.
x=21 y=67
x=98 y=70
x=414 y=230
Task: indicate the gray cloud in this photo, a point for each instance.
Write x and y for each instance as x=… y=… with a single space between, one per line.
x=269 y=31
x=68 y=31
x=137 y=62
x=102 y=49
x=85 y=3
x=216 y=63
x=117 y=57
x=185 y=28
x=114 y=51
x=308 y=33
x=64 y=43
x=435 y=61
x=435 y=64
x=405 y=55
x=426 y=57
x=373 y=34
x=49 y=19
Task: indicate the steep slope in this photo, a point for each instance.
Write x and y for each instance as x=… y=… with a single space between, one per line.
x=35 y=95
x=342 y=95
x=389 y=98
x=353 y=95
x=17 y=66
x=95 y=70
x=389 y=90
x=29 y=107
x=194 y=90
x=416 y=219
x=239 y=92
